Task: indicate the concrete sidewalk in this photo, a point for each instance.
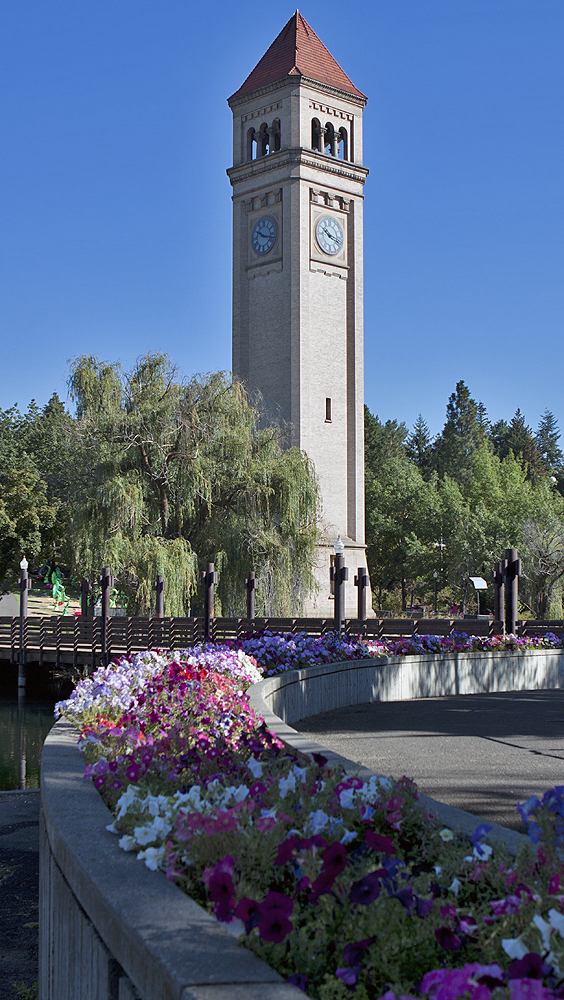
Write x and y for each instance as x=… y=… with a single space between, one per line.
x=19 y=890
x=482 y=753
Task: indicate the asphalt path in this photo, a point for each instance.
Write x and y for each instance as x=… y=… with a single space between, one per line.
x=482 y=753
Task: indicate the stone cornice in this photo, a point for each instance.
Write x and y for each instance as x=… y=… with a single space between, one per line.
x=291 y=157
x=296 y=81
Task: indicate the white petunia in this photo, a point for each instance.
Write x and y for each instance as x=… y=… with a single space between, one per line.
x=268 y=813
x=482 y=852
x=255 y=767
x=346 y=798
x=286 y=785
x=299 y=772
x=514 y=947
x=153 y=857
x=456 y=883
x=556 y=920
x=317 y=821
x=126 y=800
x=446 y=835
x=348 y=836
x=111 y=828
x=127 y=843
x=545 y=929
x=438 y=869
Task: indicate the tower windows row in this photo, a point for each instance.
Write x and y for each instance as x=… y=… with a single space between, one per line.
x=329 y=140
x=262 y=141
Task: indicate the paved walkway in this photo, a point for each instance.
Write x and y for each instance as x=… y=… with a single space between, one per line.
x=19 y=890
x=482 y=753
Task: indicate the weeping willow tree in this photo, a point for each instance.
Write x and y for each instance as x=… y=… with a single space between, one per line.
x=182 y=473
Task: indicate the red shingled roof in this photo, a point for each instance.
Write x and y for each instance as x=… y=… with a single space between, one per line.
x=297 y=52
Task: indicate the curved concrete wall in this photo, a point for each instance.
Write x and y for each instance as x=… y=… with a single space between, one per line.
x=301 y=693
x=112 y=930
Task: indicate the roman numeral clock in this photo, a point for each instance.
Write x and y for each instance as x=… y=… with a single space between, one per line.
x=298 y=182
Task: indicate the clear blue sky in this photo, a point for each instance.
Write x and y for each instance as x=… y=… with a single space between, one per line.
x=116 y=214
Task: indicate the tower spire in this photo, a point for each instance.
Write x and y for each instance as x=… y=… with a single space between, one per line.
x=297 y=51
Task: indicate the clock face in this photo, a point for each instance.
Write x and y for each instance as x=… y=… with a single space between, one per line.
x=263 y=236
x=329 y=235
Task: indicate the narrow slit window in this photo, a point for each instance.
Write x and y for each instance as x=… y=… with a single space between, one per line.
x=328 y=417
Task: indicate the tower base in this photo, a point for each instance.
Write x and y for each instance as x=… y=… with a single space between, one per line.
x=322 y=604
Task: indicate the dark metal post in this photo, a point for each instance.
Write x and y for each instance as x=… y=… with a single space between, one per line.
x=85 y=589
x=339 y=573
x=498 y=580
x=159 y=600
x=251 y=585
x=512 y=574
x=209 y=580
x=106 y=585
x=361 y=582
x=24 y=586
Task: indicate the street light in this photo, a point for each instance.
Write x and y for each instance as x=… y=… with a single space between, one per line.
x=479 y=584
x=435 y=575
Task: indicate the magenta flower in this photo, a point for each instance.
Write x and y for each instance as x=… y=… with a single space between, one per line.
x=447 y=939
x=286 y=850
x=247 y=910
x=348 y=976
x=531 y=966
x=367 y=889
x=377 y=842
x=323 y=883
x=133 y=771
x=335 y=859
x=353 y=954
x=276 y=901
x=529 y=989
x=274 y=926
x=298 y=979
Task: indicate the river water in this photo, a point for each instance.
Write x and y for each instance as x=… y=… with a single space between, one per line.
x=24 y=724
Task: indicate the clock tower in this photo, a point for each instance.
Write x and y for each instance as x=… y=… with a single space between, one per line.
x=298 y=183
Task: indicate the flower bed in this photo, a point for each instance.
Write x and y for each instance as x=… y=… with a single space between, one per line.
x=341 y=885
x=277 y=654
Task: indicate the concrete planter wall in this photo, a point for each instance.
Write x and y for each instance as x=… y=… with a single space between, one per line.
x=112 y=930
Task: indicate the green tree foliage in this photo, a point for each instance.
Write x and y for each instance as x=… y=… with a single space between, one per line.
x=546 y=440
x=455 y=506
x=182 y=473
x=462 y=435
x=25 y=516
x=516 y=438
x=419 y=447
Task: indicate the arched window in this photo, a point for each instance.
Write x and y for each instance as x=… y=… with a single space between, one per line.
x=262 y=139
x=343 y=144
x=330 y=141
x=251 y=148
x=316 y=135
x=277 y=136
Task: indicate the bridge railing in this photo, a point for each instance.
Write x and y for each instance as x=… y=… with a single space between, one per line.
x=83 y=641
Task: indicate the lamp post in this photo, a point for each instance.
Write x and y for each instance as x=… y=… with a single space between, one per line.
x=24 y=586
x=159 y=587
x=435 y=575
x=339 y=573
x=251 y=586
x=209 y=580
